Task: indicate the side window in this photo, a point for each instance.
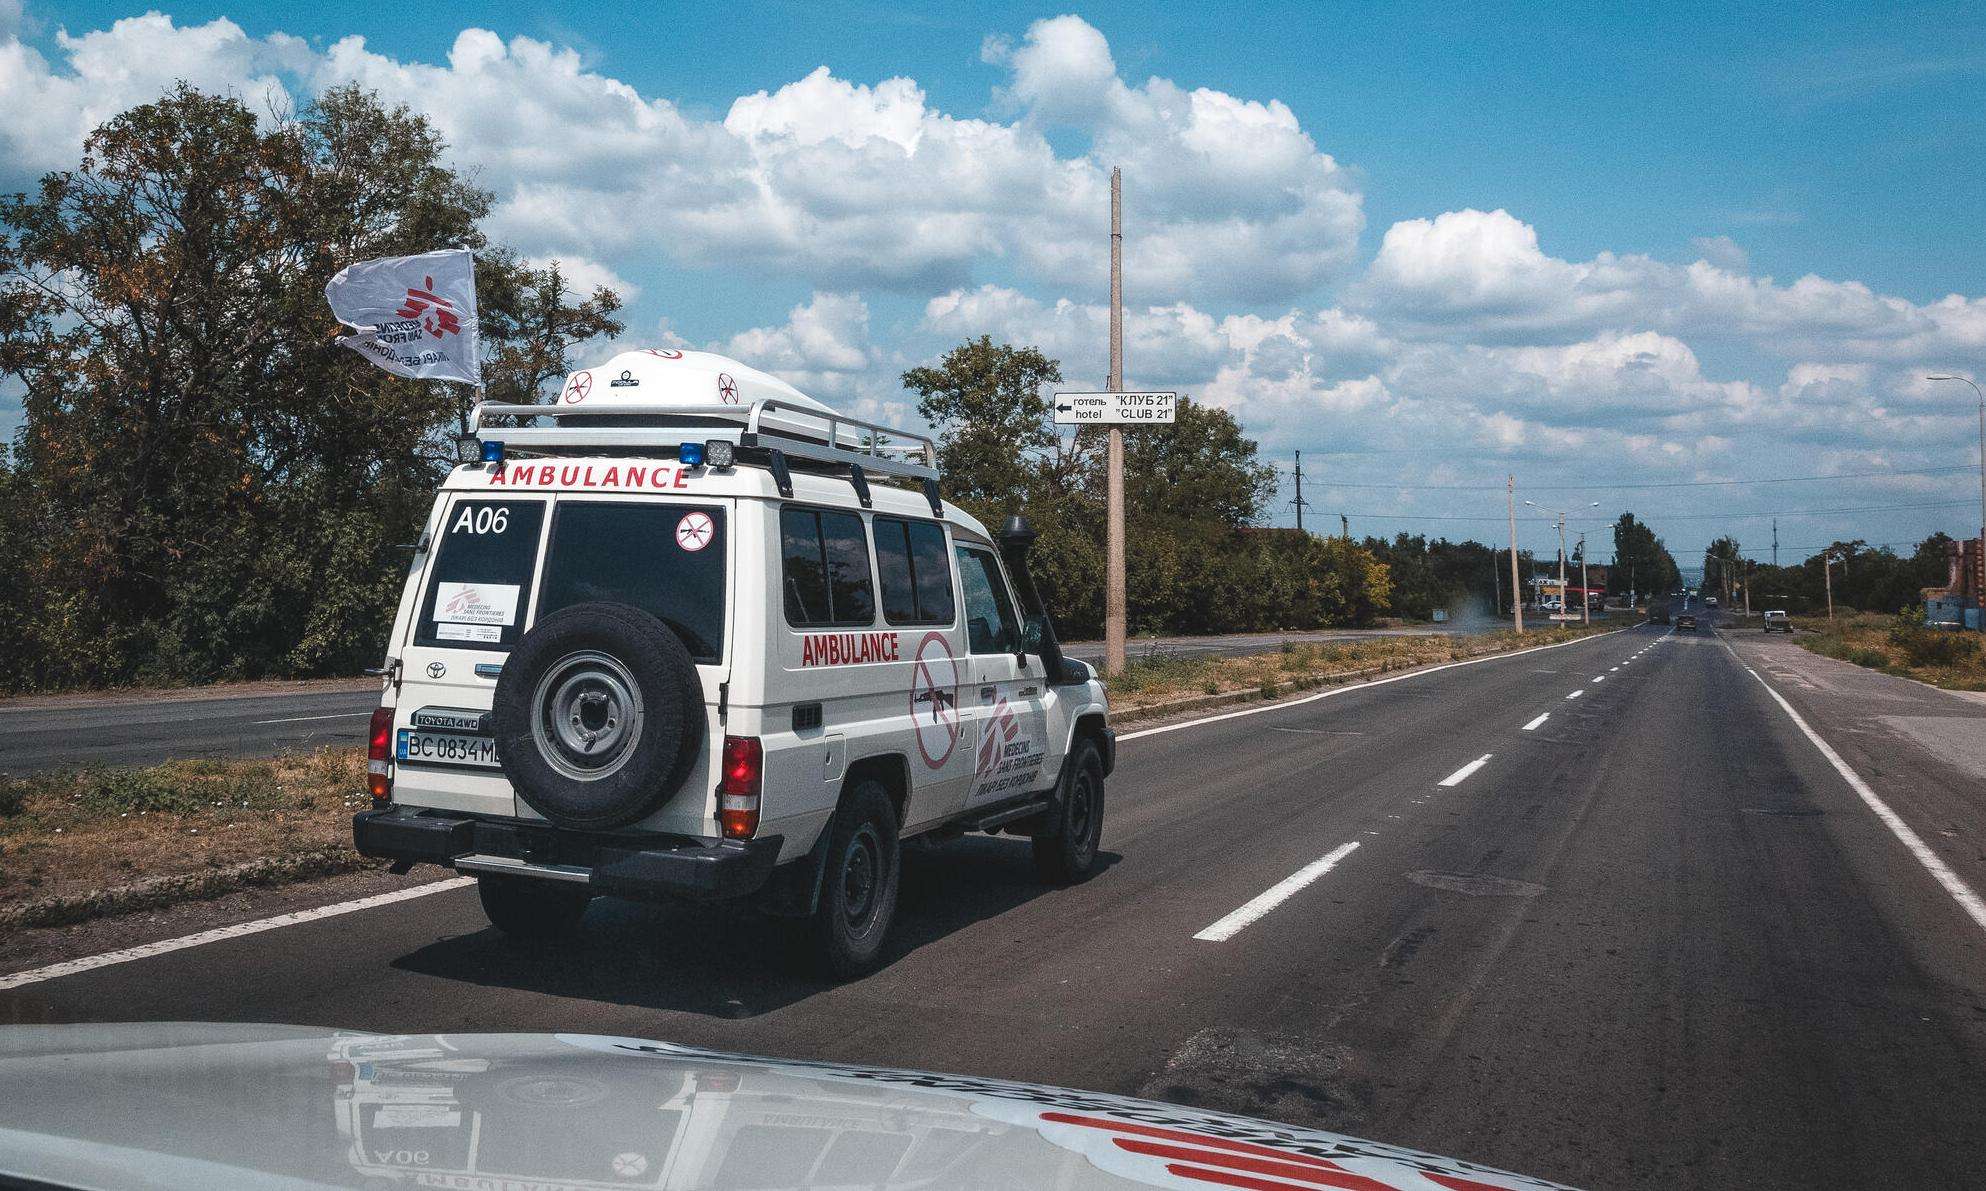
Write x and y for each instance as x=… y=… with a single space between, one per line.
x=916 y=571
x=480 y=583
x=825 y=568
x=990 y=625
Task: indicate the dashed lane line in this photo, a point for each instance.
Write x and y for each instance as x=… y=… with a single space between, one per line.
x=1462 y=775
x=1275 y=895
x=1535 y=724
x=1577 y=693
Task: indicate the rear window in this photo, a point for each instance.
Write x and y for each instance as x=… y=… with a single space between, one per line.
x=915 y=570
x=666 y=559
x=824 y=568
x=480 y=583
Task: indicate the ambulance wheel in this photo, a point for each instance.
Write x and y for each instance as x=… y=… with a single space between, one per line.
x=599 y=716
x=1065 y=850
x=858 y=884
x=524 y=908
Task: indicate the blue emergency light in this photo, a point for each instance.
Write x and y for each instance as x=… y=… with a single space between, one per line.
x=690 y=454
x=492 y=452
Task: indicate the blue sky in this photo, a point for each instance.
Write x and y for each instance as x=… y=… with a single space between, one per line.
x=1426 y=244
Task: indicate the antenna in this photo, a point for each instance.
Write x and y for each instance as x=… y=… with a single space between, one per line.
x=1300 y=503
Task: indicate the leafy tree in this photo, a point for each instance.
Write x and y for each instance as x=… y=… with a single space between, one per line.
x=1641 y=562
x=993 y=419
x=206 y=486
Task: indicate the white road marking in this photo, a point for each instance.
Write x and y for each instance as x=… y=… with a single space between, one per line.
x=298 y=719
x=148 y=950
x=1577 y=693
x=1600 y=678
x=1953 y=884
x=1533 y=725
x=1314 y=731
x=1462 y=775
x=1276 y=895
x=1342 y=690
x=1611 y=669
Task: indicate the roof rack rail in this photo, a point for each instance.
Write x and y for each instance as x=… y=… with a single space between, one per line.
x=817 y=434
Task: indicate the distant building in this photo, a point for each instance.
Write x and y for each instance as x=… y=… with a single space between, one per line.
x=1958 y=601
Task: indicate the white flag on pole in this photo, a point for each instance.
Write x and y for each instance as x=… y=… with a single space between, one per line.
x=415 y=315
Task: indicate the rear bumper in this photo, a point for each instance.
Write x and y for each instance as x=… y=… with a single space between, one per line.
x=648 y=867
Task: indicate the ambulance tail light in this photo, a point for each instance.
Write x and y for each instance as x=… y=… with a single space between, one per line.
x=742 y=777
x=378 y=752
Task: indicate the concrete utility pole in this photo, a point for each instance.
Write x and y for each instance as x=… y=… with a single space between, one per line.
x=1585 y=601
x=1516 y=593
x=1827 y=577
x=1113 y=609
x=1563 y=614
x=1980 y=592
x=1300 y=503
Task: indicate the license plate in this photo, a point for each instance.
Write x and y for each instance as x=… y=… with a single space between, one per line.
x=447 y=748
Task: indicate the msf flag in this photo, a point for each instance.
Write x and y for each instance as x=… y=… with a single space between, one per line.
x=415 y=316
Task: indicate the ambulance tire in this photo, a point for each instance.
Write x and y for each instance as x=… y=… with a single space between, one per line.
x=858 y=883
x=1065 y=850
x=599 y=714
x=532 y=910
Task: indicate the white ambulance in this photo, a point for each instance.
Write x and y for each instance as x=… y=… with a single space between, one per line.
x=686 y=633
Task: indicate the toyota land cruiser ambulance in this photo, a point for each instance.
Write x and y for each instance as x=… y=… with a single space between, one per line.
x=686 y=633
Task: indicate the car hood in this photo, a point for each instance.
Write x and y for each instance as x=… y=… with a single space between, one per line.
x=181 y=1105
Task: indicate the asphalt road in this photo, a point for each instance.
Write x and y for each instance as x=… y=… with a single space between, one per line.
x=1652 y=940
x=47 y=734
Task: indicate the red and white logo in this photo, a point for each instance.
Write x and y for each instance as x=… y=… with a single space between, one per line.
x=727 y=389
x=662 y=353
x=695 y=531
x=1001 y=728
x=578 y=387
x=1167 y=1156
x=934 y=700
x=437 y=314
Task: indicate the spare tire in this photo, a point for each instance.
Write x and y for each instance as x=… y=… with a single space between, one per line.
x=599 y=714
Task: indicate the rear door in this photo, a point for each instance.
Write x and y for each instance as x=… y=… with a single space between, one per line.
x=473 y=605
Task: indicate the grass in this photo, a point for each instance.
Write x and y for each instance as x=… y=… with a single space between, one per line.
x=1896 y=645
x=1159 y=677
x=72 y=834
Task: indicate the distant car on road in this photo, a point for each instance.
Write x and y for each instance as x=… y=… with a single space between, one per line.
x=1710 y=601
x=1658 y=614
x=1685 y=623
x=1778 y=622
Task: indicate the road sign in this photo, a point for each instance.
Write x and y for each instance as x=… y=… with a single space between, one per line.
x=1114 y=409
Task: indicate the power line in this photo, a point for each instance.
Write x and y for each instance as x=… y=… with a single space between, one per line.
x=1943 y=504
x=1855 y=475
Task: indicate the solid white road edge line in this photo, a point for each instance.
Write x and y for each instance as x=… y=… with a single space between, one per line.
x=1342 y=690
x=1276 y=895
x=1953 y=884
x=1461 y=775
x=74 y=966
x=1533 y=725
x=298 y=719
x=147 y=950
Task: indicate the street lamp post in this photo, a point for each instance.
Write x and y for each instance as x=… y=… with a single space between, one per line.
x=1979 y=594
x=1585 y=600
x=1560 y=514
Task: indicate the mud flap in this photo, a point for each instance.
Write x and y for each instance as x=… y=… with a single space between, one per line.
x=795 y=888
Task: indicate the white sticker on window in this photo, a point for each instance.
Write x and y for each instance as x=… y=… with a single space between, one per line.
x=468 y=632
x=476 y=603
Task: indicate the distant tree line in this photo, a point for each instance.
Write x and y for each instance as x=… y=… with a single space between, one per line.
x=205 y=486
x=1867 y=579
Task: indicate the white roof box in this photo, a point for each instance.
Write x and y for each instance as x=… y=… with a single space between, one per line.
x=666 y=376
x=655 y=398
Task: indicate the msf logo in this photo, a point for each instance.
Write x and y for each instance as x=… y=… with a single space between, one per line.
x=437 y=314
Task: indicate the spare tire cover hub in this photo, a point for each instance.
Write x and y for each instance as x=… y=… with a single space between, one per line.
x=586 y=715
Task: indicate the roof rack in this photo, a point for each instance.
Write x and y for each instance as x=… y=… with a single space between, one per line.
x=779 y=426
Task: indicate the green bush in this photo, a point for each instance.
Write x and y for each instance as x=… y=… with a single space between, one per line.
x=1926 y=646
